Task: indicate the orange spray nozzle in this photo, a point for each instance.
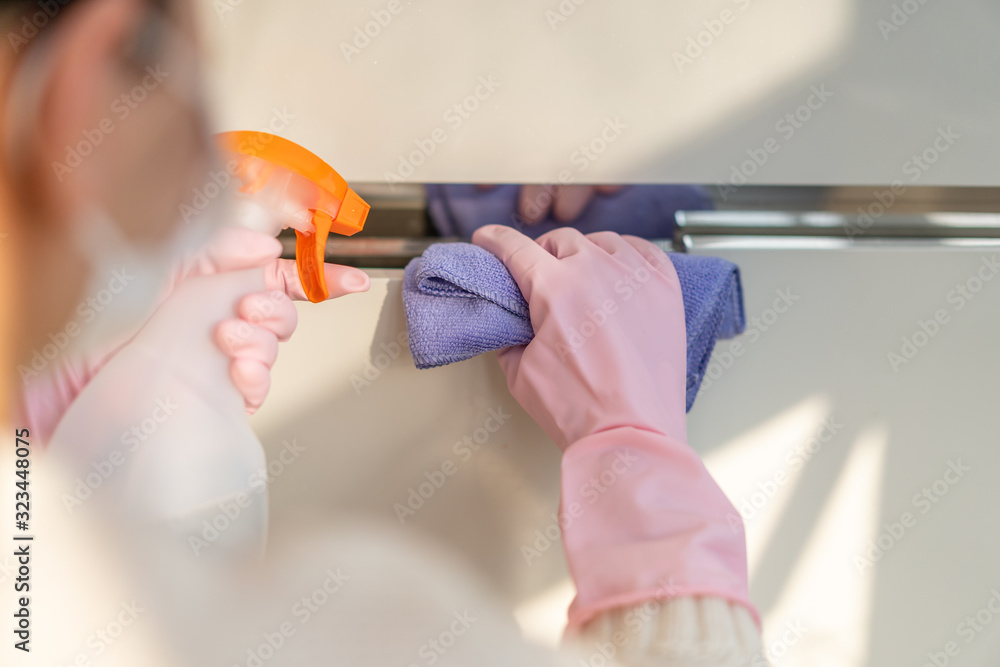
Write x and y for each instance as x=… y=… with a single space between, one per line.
x=296 y=184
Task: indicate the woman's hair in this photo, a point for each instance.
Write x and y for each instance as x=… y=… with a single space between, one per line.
x=25 y=15
x=21 y=21
x=24 y=19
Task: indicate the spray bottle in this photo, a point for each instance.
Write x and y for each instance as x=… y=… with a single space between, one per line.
x=161 y=434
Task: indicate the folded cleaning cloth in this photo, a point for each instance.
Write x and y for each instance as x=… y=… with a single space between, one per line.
x=461 y=301
x=641 y=210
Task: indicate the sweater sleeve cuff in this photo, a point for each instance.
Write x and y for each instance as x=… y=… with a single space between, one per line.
x=703 y=631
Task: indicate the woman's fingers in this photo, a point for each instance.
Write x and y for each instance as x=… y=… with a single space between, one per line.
x=283 y=275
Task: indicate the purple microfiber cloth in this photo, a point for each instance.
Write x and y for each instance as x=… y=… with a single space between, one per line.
x=461 y=301
x=646 y=211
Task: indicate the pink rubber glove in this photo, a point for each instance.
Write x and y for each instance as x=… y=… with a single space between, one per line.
x=605 y=378
x=265 y=319
x=566 y=202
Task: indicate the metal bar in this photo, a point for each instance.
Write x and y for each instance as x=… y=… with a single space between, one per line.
x=717 y=229
x=824 y=223
x=383 y=253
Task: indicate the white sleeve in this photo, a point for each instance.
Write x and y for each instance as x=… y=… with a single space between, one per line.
x=701 y=631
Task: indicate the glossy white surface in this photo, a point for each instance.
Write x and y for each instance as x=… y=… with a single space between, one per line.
x=824 y=358
x=891 y=81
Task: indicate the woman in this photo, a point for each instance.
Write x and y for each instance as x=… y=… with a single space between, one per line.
x=104 y=140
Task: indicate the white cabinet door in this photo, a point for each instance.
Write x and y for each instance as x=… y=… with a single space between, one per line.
x=782 y=91
x=855 y=426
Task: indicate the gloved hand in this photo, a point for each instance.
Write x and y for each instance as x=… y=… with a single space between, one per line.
x=605 y=378
x=566 y=202
x=265 y=319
